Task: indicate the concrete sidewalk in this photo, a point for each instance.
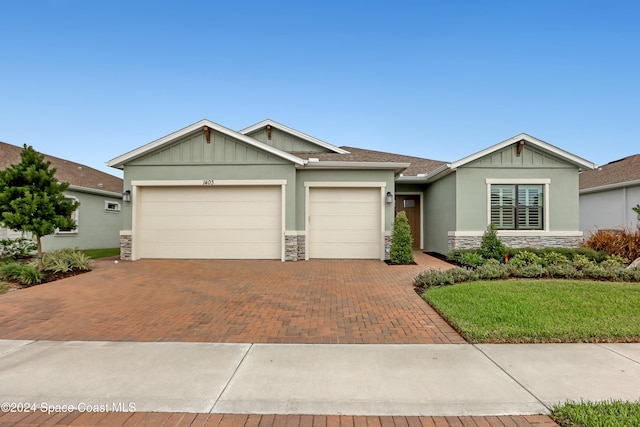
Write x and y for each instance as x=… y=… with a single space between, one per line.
x=436 y=380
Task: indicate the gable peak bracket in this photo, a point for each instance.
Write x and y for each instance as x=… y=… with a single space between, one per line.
x=519 y=148
x=207 y=133
x=269 y=132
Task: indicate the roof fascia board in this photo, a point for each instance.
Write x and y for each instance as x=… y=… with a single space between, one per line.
x=294 y=133
x=356 y=165
x=119 y=162
x=610 y=186
x=94 y=191
x=572 y=158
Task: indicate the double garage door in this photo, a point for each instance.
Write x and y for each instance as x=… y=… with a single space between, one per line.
x=235 y=222
x=246 y=222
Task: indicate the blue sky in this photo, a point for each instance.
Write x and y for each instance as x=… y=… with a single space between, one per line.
x=90 y=80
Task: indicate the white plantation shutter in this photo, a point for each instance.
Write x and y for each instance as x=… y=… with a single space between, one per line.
x=517 y=206
x=503 y=206
x=530 y=207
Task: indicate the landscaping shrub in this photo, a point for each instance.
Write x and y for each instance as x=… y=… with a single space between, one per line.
x=524 y=258
x=554 y=258
x=491 y=246
x=65 y=260
x=401 y=241
x=25 y=274
x=621 y=242
x=17 y=248
x=580 y=262
x=471 y=259
x=615 y=261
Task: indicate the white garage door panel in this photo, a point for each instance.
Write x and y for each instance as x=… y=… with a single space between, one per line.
x=345 y=223
x=233 y=222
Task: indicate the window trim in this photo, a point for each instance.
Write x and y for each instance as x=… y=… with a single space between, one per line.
x=110 y=202
x=75 y=215
x=546 y=182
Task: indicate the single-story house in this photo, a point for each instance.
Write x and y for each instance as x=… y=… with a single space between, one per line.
x=608 y=194
x=272 y=192
x=98 y=218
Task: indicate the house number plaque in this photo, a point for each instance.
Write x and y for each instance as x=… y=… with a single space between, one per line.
x=207 y=182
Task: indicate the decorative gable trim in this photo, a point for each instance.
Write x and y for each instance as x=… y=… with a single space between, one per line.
x=316 y=141
x=120 y=161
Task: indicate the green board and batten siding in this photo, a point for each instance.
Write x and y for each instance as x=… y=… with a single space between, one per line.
x=195 y=149
x=286 y=142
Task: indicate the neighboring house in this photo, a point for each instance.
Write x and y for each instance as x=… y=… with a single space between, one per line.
x=272 y=192
x=608 y=194
x=98 y=218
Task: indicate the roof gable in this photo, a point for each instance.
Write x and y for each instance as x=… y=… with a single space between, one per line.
x=616 y=173
x=518 y=155
x=76 y=174
x=203 y=127
x=517 y=142
x=194 y=149
x=288 y=139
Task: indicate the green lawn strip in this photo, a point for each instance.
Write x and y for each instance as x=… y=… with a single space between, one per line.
x=520 y=311
x=101 y=253
x=612 y=413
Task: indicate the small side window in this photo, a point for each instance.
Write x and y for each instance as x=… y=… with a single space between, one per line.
x=111 y=206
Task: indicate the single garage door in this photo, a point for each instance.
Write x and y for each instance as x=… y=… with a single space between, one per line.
x=345 y=223
x=234 y=222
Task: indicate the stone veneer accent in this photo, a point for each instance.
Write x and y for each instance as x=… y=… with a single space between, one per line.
x=473 y=242
x=125 y=247
x=295 y=248
x=387 y=247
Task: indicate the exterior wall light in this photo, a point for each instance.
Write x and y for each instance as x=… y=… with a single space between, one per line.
x=126 y=196
x=389 y=197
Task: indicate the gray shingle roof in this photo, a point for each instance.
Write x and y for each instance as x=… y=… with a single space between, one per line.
x=616 y=172
x=67 y=171
x=418 y=164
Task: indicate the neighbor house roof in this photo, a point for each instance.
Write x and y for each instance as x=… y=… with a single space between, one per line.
x=76 y=174
x=614 y=174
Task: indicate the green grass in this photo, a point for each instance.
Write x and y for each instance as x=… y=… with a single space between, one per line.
x=101 y=253
x=612 y=413
x=520 y=311
x=3 y=287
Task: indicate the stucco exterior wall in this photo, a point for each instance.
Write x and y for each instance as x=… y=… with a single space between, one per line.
x=473 y=201
x=97 y=227
x=609 y=209
x=439 y=213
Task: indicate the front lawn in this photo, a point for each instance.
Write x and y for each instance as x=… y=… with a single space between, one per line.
x=527 y=311
x=101 y=253
x=595 y=414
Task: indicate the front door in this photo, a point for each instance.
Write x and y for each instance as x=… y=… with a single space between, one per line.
x=410 y=204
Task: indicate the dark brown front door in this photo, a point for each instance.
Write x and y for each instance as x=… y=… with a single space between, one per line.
x=410 y=204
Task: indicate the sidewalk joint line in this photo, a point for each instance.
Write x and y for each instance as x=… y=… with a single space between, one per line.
x=19 y=347
x=511 y=376
x=604 y=345
x=233 y=374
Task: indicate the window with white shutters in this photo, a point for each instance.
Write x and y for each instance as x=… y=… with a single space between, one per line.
x=517 y=206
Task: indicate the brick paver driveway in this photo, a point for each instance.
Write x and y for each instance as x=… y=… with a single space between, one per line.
x=318 y=301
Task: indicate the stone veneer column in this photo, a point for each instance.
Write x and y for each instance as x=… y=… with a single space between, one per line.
x=126 y=240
